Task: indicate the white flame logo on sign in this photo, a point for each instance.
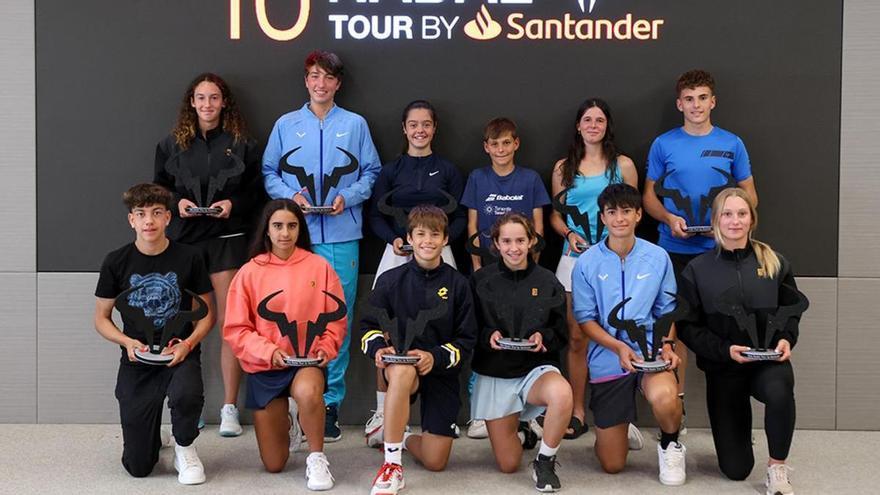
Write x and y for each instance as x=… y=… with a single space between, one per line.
x=592 y=4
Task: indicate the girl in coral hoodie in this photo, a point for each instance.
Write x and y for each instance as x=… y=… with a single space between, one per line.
x=277 y=302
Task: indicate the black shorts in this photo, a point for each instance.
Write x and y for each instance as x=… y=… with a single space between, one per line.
x=266 y=386
x=224 y=253
x=614 y=402
x=440 y=404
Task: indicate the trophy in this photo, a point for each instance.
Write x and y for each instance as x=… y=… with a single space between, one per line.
x=314 y=329
x=307 y=180
x=193 y=184
x=518 y=317
x=582 y=220
x=401 y=215
x=731 y=304
x=149 y=316
x=475 y=247
x=402 y=340
x=684 y=204
x=639 y=333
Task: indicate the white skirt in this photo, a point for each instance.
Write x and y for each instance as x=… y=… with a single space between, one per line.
x=564 y=269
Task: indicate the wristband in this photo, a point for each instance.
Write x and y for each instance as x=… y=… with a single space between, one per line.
x=176 y=341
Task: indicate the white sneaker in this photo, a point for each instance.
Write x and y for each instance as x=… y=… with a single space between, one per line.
x=477 y=429
x=672 y=464
x=165 y=438
x=634 y=438
x=188 y=465
x=778 y=480
x=389 y=480
x=318 y=472
x=376 y=421
x=296 y=433
x=229 y=424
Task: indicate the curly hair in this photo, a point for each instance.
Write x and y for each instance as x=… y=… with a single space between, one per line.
x=694 y=78
x=147 y=194
x=187 y=120
x=577 y=149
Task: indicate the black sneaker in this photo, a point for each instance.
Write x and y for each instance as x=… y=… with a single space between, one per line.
x=544 y=474
x=332 y=432
x=526 y=435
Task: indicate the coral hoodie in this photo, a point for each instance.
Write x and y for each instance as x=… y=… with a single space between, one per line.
x=301 y=280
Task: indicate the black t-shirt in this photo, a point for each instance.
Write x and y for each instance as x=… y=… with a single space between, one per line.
x=163 y=279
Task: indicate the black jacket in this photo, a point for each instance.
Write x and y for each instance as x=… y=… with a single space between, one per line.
x=496 y=286
x=709 y=333
x=418 y=181
x=404 y=291
x=206 y=173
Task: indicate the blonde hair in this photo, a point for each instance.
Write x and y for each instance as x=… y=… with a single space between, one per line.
x=768 y=261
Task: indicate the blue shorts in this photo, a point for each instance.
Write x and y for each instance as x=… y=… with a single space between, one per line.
x=266 y=386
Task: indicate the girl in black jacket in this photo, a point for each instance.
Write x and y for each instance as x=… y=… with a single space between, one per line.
x=757 y=274
x=513 y=387
x=209 y=161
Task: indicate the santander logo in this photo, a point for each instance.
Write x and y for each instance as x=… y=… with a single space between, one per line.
x=581 y=4
x=483 y=27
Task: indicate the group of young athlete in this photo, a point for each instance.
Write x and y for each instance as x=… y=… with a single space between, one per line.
x=279 y=278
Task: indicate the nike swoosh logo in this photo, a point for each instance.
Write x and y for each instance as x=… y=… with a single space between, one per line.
x=642 y=276
x=432 y=174
x=603 y=277
x=341 y=134
x=301 y=134
x=392 y=450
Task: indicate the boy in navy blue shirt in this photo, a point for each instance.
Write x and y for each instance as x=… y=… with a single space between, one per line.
x=503 y=187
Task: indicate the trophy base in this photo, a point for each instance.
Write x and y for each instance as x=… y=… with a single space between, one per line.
x=406 y=248
x=761 y=354
x=509 y=344
x=301 y=362
x=398 y=359
x=198 y=210
x=698 y=229
x=651 y=366
x=147 y=357
x=321 y=210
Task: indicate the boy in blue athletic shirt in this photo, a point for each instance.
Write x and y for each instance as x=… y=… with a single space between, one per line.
x=624 y=266
x=690 y=154
x=503 y=187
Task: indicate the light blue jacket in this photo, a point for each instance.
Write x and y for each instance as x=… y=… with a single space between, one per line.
x=322 y=146
x=601 y=280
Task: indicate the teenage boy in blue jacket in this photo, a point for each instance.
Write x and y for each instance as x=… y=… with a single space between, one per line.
x=323 y=155
x=624 y=266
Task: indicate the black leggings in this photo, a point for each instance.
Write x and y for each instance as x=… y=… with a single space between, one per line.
x=141 y=390
x=730 y=413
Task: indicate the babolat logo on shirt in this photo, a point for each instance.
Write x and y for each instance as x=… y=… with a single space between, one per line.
x=717 y=154
x=504 y=197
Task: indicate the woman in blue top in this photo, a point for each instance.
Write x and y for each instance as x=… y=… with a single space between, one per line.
x=593 y=162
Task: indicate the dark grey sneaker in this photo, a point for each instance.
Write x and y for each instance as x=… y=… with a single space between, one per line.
x=527 y=436
x=332 y=432
x=544 y=474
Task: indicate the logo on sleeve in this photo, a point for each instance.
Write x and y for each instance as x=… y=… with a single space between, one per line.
x=443 y=293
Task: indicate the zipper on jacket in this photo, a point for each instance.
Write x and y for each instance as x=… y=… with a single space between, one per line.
x=623 y=286
x=320 y=183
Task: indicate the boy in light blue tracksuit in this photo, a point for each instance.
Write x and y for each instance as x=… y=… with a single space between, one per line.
x=620 y=267
x=323 y=155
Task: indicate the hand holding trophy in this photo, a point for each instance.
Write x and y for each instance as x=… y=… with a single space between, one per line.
x=314 y=329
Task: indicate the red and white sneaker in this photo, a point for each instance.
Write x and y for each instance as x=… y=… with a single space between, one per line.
x=389 y=480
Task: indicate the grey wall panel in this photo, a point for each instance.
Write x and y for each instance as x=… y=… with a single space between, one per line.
x=17 y=137
x=815 y=356
x=77 y=368
x=858 y=395
x=18 y=347
x=859 y=127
